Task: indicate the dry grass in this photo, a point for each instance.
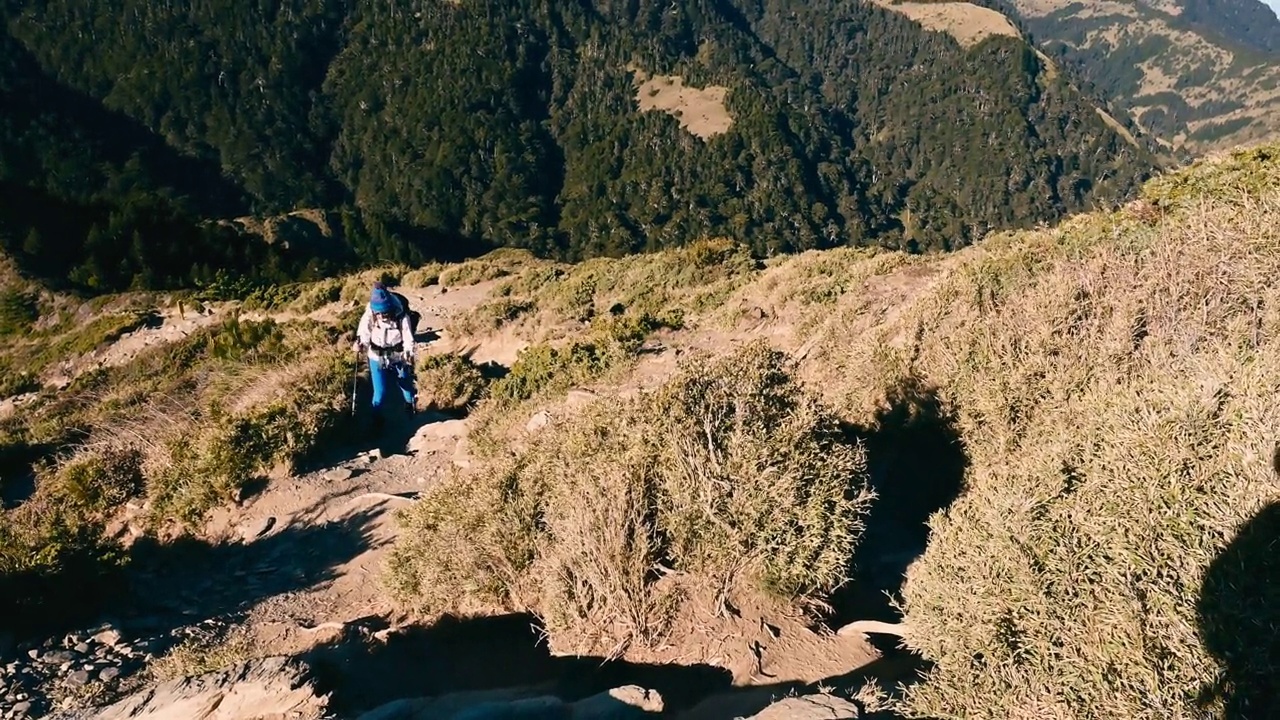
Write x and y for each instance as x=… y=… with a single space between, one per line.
x=1114 y=382
x=497 y=264
x=449 y=382
x=202 y=651
x=732 y=473
x=173 y=430
x=549 y=301
x=701 y=111
x=969 y=24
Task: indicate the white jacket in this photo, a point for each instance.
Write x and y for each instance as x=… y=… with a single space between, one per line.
x=373 y=332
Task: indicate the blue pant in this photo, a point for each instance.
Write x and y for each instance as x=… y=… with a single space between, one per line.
x=404 y=378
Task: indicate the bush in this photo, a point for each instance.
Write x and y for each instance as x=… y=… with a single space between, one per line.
x=208 y=464
x=449 y=382
x=612 y=341
x=731 y=474
x=55 y=562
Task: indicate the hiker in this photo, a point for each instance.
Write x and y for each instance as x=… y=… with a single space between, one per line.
x=385 y=333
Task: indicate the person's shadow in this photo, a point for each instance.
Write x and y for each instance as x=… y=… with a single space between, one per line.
x=1239 y=620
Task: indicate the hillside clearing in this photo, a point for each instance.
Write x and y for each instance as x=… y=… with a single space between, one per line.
x=969 y=24
x=701 y=111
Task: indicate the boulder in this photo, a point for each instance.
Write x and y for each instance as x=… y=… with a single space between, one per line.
x=810 y=707
x=263 y=689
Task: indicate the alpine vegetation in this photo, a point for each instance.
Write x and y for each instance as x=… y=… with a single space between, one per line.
x=731 y=476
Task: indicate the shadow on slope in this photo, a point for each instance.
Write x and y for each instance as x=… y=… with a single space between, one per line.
x=1239 y=619
x=506 y=656
x=504 y=652
x=165 y=586
x=916 y=461
x=361 y=435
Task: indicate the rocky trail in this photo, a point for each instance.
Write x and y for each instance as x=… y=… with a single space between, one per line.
x=289 y=578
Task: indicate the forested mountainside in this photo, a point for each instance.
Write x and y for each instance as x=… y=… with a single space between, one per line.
x=1200 y=75
x=574 y=129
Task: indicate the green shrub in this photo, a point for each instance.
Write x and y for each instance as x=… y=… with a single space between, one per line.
x=425 y=276
x=100 y=481
x=18 y=310
x=55 y=561
x=611 y=343
x=208 y=464
x=493 y=315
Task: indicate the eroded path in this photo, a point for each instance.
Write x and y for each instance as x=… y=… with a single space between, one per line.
x=296 y=569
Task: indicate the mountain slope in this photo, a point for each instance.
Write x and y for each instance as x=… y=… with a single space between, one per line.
x=1070 y=432
x=456 y=127
x=1199 y=75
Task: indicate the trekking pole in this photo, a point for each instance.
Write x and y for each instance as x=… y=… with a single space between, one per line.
x=355 y=378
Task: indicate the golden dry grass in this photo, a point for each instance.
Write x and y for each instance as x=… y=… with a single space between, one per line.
x=1114 y=382
x=731 y=473
x=969 y=24
x=701 y=111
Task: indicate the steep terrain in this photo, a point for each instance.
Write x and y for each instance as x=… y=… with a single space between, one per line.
x=430 y=130
x=688 y=471
x=1199 y=76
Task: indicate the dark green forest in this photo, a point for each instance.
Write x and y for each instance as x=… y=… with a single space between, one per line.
x=443 y=129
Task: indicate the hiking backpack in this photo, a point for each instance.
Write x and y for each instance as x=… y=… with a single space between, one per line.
x=414 y=317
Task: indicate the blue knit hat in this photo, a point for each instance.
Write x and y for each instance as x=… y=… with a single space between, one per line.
x=380 y=300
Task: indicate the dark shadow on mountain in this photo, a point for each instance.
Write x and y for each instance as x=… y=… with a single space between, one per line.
x=917 y=462
x=1239 y=620
x=167 y=585
x=487 y=653
x=134 y=151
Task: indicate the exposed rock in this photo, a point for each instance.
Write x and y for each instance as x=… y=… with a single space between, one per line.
x=58 y=658
x=110 y=637
x=109 y=674
x=631 y=696
x=338 y=474
x=810 y=707
x=79 y=678
x=275 y=687
x=540 y=419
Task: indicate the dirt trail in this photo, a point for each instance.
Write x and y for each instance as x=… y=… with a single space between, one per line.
x=297 y=565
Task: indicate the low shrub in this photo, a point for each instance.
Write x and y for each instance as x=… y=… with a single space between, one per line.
x=449 y=382
x=55 y=562
x=611 y=342
x=208 y=464
x=731 y=474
